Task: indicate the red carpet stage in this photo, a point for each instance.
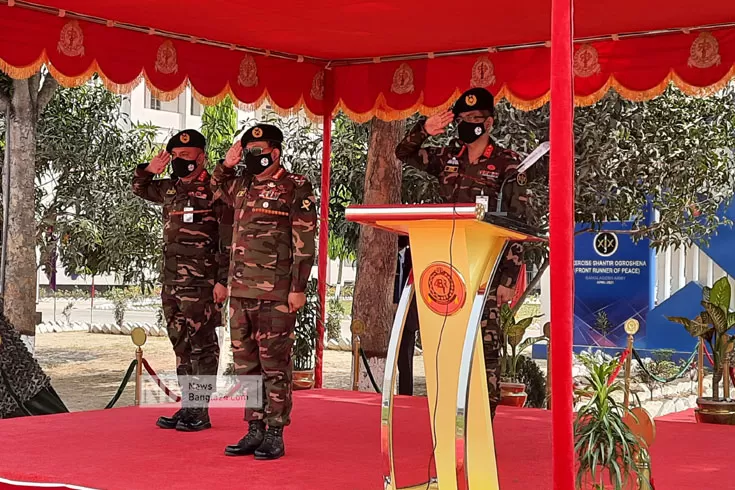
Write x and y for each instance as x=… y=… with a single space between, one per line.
x=333 y=443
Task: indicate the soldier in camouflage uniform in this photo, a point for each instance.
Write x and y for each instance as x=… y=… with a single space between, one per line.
x=467 y=168
x=197 y=235
x=272 y=254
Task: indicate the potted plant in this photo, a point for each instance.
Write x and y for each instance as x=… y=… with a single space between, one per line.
x=610 y=454
x=712 y=326
x=512 y=390
x=305 y=340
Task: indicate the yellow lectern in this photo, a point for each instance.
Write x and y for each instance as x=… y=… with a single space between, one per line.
x=454 y=249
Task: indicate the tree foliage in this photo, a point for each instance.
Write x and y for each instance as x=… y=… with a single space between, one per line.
x=87 y=150
x=673 y=151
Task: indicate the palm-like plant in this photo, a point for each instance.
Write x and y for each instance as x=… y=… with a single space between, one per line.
x=712 y=325
x=512 y=339
x=610 y=455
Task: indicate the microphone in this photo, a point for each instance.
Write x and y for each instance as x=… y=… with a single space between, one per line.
x=527 y=163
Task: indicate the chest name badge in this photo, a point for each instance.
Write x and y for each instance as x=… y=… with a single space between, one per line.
x=488 y=174
x=188 y=214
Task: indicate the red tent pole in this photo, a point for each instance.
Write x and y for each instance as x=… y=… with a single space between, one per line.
x=324 y=229
x=561 y=241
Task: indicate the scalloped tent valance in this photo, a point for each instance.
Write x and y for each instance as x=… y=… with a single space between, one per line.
x=360 y=58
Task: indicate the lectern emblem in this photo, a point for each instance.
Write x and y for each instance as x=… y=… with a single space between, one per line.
x=443 y=289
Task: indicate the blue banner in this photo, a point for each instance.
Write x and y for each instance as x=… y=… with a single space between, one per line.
x=612 y=283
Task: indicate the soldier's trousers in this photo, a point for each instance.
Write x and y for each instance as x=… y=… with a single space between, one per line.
x=491 y=338
x=262 y=335
x=192 y=318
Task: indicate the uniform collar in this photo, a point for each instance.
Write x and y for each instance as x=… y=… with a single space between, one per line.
x=486 y=154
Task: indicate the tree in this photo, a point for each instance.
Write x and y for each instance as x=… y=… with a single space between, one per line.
x=377 y=249
x=674 y=152
x=22 y=102
x=87 y=150
x=219 y=126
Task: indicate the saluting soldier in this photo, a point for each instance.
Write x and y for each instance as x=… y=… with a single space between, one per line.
x=272 y=255
x=470 y=166
x=197 y=233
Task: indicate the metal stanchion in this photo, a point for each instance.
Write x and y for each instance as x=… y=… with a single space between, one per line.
x=726 y=369
x=139 y=337
x=631 y=328
x=356 y=363
x=700 y=368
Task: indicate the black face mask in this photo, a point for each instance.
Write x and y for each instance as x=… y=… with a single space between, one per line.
x=257 y=164
x=181 y=168
x=470 y=132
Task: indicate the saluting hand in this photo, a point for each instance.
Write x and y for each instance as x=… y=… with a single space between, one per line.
x=159 y=162
x=234 y=154
x=437 y=123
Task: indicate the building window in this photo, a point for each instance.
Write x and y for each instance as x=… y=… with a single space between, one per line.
x=196 y=107
x=153 y=103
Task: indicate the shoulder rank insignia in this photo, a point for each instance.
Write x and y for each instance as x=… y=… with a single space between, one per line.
x=522 y=179
x=306 y=204
x=171 y=192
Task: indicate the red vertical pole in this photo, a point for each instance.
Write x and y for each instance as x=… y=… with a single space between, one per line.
x=561 y=238
x=324 y=229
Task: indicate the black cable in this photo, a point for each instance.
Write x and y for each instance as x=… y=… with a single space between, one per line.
x=438 y=347
x=369 y=372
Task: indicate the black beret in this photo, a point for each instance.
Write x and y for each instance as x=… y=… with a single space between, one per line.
x=262 y=132
x=189 y=138
x=475 y=99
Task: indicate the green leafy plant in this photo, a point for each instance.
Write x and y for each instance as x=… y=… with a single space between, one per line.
x=608 y=451
x=335 y=314
x=530 y=374
x=712 y=326
x=602 y=323
x=305 y=332
x=661 y=366
x=512 y=343
x=121 y=299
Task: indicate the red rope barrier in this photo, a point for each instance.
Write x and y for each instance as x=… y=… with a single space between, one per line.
x=158 y=381
x=621 y=361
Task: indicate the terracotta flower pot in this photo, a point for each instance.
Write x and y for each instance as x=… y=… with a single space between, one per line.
x=513 y=394
x=711 y=411
x=303 y=380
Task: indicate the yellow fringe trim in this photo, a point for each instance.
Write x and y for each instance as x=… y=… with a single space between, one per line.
x=23 y=72
x=380 y=109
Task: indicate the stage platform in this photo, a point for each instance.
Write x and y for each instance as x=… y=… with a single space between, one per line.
x=333 y=444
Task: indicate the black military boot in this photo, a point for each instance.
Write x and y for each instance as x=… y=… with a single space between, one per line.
x=170 y=422
x=252 y=440
x=272 y=447
x=197 y=419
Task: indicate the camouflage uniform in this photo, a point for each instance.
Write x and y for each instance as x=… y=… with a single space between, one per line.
x=273 y=251
x=195 y=257
x=461 y=182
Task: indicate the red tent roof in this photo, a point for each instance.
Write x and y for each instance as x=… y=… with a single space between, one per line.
x=219 y=46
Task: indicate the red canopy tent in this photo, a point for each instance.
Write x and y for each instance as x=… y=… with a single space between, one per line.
x=389 y=59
